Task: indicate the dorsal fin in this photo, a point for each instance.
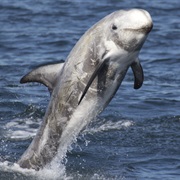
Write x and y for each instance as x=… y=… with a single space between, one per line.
x=46 y=75
x=138 y=74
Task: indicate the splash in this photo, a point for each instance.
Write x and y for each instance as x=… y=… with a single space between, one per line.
x=10 y=170
x=19 y=129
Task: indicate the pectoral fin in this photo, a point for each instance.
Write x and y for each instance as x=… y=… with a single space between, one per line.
x=46 y=75
x=138 y=74
x=95 y=73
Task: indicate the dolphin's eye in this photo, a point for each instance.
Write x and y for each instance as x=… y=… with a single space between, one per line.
x=114 y=27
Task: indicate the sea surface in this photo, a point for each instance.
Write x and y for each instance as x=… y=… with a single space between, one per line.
x=137 y=137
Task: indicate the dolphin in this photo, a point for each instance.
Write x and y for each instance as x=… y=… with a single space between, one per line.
x=83 y=85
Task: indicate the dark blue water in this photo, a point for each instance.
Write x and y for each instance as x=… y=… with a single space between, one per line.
x=137 y=136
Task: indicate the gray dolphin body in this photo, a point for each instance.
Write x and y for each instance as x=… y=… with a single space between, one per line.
x=84 y=85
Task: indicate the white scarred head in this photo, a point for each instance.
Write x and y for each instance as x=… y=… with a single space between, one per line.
x=129 y=28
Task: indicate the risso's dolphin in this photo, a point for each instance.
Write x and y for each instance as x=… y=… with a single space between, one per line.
x=84 y=84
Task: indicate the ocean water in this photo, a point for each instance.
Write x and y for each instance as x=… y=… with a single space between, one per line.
x=137 y=136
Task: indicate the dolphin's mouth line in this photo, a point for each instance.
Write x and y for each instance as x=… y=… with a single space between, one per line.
x=144 y=29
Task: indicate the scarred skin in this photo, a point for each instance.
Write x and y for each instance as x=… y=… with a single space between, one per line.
x=84 y=85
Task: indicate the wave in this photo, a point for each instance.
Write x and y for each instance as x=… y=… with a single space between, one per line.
x=22 y=130
x=109 y=126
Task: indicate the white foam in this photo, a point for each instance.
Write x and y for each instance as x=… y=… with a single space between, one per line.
x=21 y=129
x=45 y=174
x=110 y=125
x=58 y=172
x=15 y=168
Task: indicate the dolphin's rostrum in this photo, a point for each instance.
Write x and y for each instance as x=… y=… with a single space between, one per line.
x=84 y=84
